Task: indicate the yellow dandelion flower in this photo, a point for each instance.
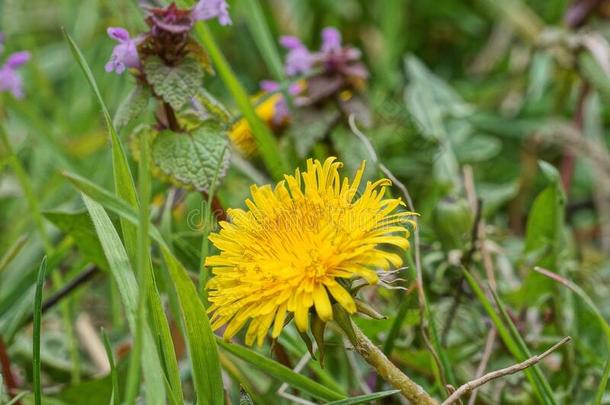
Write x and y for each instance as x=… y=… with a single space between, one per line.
x=297 y=246
x=241 y=135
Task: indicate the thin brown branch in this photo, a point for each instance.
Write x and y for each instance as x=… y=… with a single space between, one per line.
x=471 y=385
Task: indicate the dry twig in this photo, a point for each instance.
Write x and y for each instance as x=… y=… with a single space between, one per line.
x=471 y=385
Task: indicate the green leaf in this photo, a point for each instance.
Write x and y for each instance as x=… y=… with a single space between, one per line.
x=599 y=395
x=533 y=374
x=78 y=225
x=12 y=252
x=175 y=84
x=193 y=159
x=132 y=106
x=281 y=372
x=120 y=267
x=362 y=399
x=543 y=237
x=199 y=335
x=115 y=396
x=42 y=272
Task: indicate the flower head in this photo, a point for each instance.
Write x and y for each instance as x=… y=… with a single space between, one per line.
x=208 y=9
x=9 y=78
x=298 y=59
x=241 y=134
x=273 y=110
x=125 y=54
x=297 y=247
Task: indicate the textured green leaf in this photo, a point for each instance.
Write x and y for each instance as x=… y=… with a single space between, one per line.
x=132 y=106
x=192 y=159
x=79 y=226
x=175 y=84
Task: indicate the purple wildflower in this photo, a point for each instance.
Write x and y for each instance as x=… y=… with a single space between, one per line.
x=9 y=79
x=299 y=59
x=208 y=9
x=331 y=39
x=125 y=54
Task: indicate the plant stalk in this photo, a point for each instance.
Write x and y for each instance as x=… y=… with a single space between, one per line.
x=384 y=367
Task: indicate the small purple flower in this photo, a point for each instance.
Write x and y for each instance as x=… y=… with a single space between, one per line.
x=331 y=39
x=9 y=79
x=208 y=9
x=125 y=54
x=298 y=60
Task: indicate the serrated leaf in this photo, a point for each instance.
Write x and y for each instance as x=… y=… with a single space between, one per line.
x=175 y=84
x=192 y=159
x=135 y=102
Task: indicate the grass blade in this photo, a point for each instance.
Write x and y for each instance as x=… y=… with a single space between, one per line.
x=12 y=251
x=114 y=378
x=255 y=18
x=601 y=390
x=364 y=399
x=199 y=335
x=281 y=372
x=120 y=268
x=274 y=161
x=533 y=373
x=42 y=272
x=542 y=384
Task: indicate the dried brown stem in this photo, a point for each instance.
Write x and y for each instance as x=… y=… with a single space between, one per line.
x=471 y=385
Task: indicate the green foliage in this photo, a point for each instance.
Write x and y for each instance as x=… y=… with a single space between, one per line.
x=132 y=106
x=192 y=159
x=176 y=85
x=464 y=102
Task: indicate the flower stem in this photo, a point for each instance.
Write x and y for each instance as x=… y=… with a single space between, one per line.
x=384 y=367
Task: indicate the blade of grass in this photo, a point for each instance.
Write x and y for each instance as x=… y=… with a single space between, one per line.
x=125 y=189
x=583 y=295
x=268 y=147
x=255 y=18
x=115 y=398
x=544 y=385
x=42 y=272
x=281 y=372
x=12 y=251
x=601 y=390
x=208 y=224
x=120 y=267
x=199 y=335
x=142 y=260
x=362 y=399
x=533 y=374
